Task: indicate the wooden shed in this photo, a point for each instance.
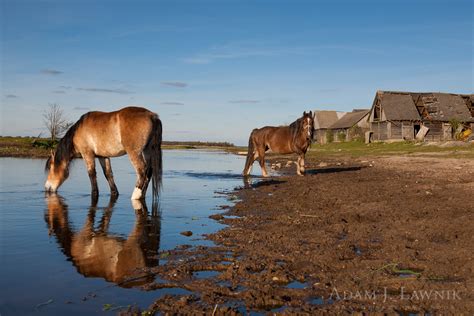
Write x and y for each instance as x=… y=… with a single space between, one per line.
x=322 y=121
x=352 y=125
x=394 y=116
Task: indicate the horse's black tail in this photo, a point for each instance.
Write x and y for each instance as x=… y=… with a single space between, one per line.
x=156 y=156
x=250 y=154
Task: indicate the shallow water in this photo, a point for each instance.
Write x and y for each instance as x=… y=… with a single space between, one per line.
x=61 y=254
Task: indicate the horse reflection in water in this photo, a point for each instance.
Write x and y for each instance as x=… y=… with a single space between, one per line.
x=96 y=252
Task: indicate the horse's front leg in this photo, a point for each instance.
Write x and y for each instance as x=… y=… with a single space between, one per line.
x=89 y=159
x=138 y=162
x=300 y=165
x=107 y=168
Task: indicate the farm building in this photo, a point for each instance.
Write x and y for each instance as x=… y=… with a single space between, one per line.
x=351 y=126
x=401 y=115
x=469 y=99
x=322 y=121
x=440 y=111
x=394 y=116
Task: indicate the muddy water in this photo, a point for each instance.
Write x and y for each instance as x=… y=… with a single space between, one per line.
x=64 y=254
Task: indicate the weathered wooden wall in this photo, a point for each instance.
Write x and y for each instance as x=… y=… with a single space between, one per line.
x=438 y=131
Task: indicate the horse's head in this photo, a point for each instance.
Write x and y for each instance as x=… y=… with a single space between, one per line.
x=57 y=173
x=308 y=124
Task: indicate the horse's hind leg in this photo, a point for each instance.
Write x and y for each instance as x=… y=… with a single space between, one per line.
x=261 y=158
x=89 y=159
x=139 y=163
x=148 y=170
x=107 y=168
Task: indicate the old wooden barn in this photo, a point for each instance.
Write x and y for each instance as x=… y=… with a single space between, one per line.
x=401 y=115
x=394 y=116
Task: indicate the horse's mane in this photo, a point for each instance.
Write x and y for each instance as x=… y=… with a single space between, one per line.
x=296 y=128
x=65 y=148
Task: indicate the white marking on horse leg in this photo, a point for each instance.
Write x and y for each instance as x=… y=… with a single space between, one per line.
x=264 y=173
x=298 y=167
x=137 y=194
x=136 y=204
x=249 y=169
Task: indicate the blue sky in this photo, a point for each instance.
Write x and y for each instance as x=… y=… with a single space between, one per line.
x=214 y=70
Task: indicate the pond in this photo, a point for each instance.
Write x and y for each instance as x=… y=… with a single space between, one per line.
x=62 y=254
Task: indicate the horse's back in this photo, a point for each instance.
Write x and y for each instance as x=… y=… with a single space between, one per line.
x=275 y=138
x=136 y=125
x=110 y=134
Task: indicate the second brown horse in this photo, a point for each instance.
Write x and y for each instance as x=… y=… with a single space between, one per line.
x=295 y=138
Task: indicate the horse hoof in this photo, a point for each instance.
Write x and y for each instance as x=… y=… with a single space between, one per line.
x=137 y=194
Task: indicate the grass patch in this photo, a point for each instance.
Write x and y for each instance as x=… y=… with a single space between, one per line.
x=24 y=147
x=360 y=149
x=33 y=147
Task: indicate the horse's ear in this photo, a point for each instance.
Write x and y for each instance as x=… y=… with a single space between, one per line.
x=311 y=113
x=304 y=113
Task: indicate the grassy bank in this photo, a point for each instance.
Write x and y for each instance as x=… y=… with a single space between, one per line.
x=32 y=147
x=22 y=147
x=358 y=149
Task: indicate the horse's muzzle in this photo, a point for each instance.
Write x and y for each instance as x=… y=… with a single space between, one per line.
x=48 y=187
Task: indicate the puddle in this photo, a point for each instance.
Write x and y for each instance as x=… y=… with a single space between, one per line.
x=205 y=274
x=318 y=301
x=297 y=285
x=356 y=250
x=231 y=216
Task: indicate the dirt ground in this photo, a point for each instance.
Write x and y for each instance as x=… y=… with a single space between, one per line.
x=392 y=235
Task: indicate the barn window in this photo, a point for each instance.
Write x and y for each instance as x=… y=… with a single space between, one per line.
x=377 y=111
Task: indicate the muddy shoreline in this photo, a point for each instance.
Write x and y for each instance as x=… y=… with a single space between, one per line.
x=379 y=235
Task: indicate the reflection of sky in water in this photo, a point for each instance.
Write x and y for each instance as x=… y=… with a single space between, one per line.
x=34 y=270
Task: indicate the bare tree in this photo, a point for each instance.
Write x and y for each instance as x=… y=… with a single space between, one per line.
x=55 y=121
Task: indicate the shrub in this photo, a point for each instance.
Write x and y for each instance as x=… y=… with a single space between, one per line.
x=341 y=136
x=356 y=133
x=456 y=130
x=329 y=136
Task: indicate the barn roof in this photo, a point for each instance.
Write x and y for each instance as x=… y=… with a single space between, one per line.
x=445 y=106
x=398 y=106
x=324 y=119
x=350 y=119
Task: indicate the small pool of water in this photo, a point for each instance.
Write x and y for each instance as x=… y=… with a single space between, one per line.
x=62 y=254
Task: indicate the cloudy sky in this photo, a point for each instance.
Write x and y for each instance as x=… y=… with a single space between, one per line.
x=214 y=70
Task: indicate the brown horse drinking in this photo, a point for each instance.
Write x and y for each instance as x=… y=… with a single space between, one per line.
x=294 y=138
x=132 y=130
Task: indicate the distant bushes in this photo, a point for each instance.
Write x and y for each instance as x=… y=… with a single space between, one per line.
x=197 y=144
x=45 y=143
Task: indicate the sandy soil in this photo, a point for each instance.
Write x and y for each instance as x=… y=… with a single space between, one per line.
x=388 y=235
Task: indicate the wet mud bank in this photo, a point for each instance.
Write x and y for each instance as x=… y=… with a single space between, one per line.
x=381 y=235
